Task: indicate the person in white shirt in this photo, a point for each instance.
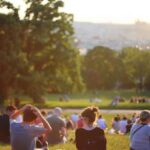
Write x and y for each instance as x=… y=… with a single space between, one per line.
x=101 y=123
x=74 y=118
x=123 y=124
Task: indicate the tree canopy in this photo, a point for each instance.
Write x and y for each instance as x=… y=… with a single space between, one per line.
x=37 y=52
x=105 y=68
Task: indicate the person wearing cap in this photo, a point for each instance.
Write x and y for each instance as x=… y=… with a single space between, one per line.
x=59 y=132
x=140 y=133
x=23 y=135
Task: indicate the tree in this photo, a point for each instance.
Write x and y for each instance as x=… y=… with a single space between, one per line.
x=43 y=44
x=136 y=64
x=101 y=68
x=12 y=59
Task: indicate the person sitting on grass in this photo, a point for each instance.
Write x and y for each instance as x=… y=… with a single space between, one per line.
x=5 y=123
x=140 y=133
x=101 y=122
x=59 y=132
x=123 y=124
x=115 y=125
x=90 y=137
x=23 y=135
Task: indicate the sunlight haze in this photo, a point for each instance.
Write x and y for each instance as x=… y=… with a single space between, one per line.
x=108 y=11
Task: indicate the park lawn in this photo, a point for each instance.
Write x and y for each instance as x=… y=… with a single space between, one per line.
x=114 y=142
x=81 y=100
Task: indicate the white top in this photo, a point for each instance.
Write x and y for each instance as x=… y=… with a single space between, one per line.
x=123 y=124
x=101 y=123
x=74 y=118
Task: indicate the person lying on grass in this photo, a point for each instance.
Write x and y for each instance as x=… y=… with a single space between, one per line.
x=23 y=135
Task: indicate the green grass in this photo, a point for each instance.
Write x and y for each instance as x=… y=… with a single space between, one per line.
x=114 y=142
x=81 y=100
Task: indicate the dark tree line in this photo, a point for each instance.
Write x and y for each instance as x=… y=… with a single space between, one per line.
x=105 y=68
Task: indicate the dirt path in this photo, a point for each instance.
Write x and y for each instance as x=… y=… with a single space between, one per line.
x=105 y=111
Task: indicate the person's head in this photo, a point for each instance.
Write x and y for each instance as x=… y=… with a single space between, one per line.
x=10 y=109
x=90 y=115
x=144 y=117
x=129 y=121
x=124 y=118
x=116 y=119
x=29 y=116
x=43 y=112
x=100 y=116
x=57 y=111
x=134 y=115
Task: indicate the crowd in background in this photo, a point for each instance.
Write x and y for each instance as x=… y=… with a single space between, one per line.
x=29 y=128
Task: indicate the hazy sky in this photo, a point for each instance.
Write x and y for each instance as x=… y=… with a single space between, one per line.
x=113 y=11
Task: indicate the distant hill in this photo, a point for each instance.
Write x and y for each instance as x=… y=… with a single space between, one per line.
x=115 y=36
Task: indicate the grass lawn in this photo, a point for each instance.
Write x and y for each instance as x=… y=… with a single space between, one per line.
x=114 y=142
x=81 y=100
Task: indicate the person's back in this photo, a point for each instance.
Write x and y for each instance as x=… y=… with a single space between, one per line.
x=23 y=136
x=101 y=123
x=116 y=124
x=57 y=124
x=141 y=139
x=140 y=133
x=90 y=139
x=5 y=124
x=123 y=124
x=4 y=129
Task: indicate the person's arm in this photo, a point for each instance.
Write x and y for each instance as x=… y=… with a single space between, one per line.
x=43 y=120
x=18 y=112
x=63 y=131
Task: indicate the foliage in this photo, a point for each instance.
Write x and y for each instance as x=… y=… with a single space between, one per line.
x=104 y=68
x=101 y=68
x=37 y=52
x=137 y=65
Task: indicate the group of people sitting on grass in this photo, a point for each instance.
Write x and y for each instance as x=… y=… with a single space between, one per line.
x=29 y=128
x=139 y=100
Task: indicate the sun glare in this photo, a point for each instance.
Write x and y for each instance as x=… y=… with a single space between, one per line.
x=115 y=11
x=112 y=11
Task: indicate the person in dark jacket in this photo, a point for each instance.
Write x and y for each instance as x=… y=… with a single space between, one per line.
x=90 y=137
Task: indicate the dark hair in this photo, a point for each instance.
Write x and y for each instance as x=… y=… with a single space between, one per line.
x=11 y=108
x=43 y=112
x=144 y=115
x=29 y=115
x=100 y=116
x=124 y=118
x=91 y=113
x=116 y=119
